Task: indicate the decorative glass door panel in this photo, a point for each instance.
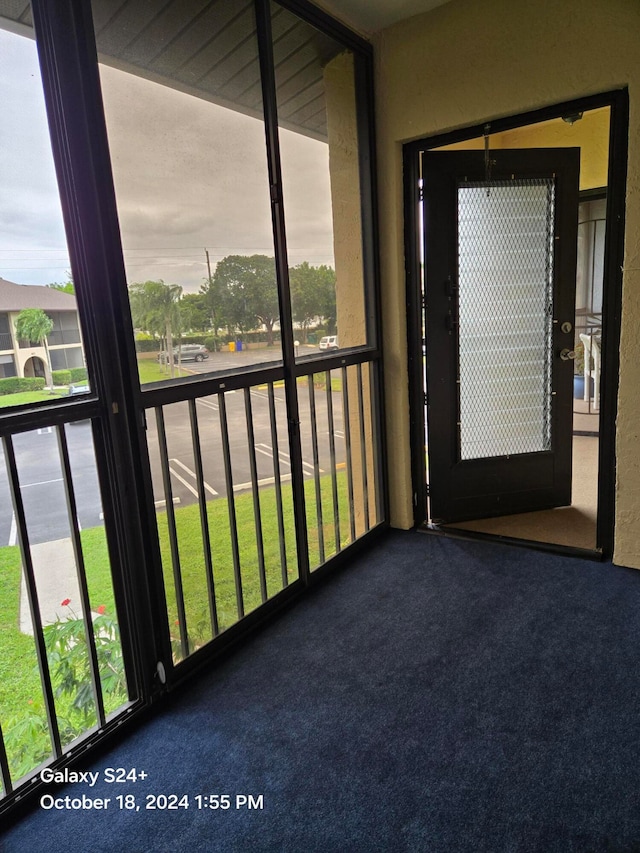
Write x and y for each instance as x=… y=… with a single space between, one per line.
x=500 y=259
x=505 y=281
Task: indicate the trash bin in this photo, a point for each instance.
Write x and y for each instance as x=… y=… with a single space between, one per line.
x=232 y=346
x=238 y=346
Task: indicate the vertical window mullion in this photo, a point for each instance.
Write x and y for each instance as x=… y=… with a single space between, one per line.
x=268 y=81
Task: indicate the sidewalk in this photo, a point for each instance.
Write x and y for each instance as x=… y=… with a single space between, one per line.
x=55 y=572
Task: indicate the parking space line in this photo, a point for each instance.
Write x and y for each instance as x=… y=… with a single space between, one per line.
x=266 y=481
x=184 y=482
x=259 y=394
x=163 y=503
x=284 y=457
x=191 y=473
x=208 y=403
x=42 y=483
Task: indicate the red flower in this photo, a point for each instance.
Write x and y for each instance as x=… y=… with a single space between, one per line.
x=65 y=602
x=101 y=609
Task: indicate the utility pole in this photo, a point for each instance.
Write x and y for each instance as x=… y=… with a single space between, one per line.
x=213 y=313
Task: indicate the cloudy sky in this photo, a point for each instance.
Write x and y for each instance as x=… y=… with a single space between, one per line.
x=32 y=242
x=189 y=175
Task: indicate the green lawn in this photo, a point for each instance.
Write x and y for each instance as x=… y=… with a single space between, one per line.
x=20 y=692
x=150 y=371
x=189 y=530
x=23 y=397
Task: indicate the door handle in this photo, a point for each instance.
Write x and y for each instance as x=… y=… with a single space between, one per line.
x=567 y=354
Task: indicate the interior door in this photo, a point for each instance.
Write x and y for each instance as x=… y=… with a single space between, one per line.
x=500 y=272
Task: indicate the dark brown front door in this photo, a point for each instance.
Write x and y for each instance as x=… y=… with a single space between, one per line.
x=500 y=261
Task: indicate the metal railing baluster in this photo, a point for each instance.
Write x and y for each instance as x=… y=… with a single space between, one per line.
x=275 y=453
x=204 y=518
x=78 y=554
x=5 y=773
x=316 y=467
x=32 y=594
x=253 y=467
x=173 y=536
x=363 y=451
x=231 y=505
x=346 y=418
x=332 y=455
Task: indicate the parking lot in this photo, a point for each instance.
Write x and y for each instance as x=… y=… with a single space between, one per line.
x=41 y=477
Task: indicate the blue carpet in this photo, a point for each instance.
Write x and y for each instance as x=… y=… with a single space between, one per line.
x=436 y=696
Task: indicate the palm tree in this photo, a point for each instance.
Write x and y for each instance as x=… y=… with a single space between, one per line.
x=155 y=308
x=34 y=325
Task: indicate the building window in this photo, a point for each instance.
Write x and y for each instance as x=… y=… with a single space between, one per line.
x=62 y=359
x=65 y=328
x=7 y=367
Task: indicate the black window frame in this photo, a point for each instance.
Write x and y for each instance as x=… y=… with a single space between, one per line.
x=116 y=403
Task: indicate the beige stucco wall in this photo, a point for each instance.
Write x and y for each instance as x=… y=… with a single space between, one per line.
x=465 y=63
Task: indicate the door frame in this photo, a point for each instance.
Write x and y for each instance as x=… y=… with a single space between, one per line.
x=618 y=102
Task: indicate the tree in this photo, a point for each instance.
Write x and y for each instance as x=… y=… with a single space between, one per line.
x=213 y=296
x=155 y=308
x=194 y=313
x=67 y=287
x=34 y=325
x=246 y=287
x=313 y=294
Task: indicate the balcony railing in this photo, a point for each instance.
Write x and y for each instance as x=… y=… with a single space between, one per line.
x=5 y=341
x=222 y=471
x=63 y=671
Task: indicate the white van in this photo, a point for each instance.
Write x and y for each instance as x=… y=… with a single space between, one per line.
x=329 y=342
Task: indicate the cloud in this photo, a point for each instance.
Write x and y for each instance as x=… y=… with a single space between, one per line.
x=189 y=175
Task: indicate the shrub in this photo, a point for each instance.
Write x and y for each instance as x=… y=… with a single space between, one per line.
x=14 y=384
x=78 y=374
x=61 y=377
x=26 y=734
x=147 y=345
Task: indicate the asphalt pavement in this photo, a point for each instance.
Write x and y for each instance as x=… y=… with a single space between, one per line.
x=42 y=485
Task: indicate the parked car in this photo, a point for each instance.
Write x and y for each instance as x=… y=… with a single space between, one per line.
x=78 y=389
x=328 y=342
x=187 y=352
x=74 y=390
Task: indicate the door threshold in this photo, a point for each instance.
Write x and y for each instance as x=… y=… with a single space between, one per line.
x=594 y=554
